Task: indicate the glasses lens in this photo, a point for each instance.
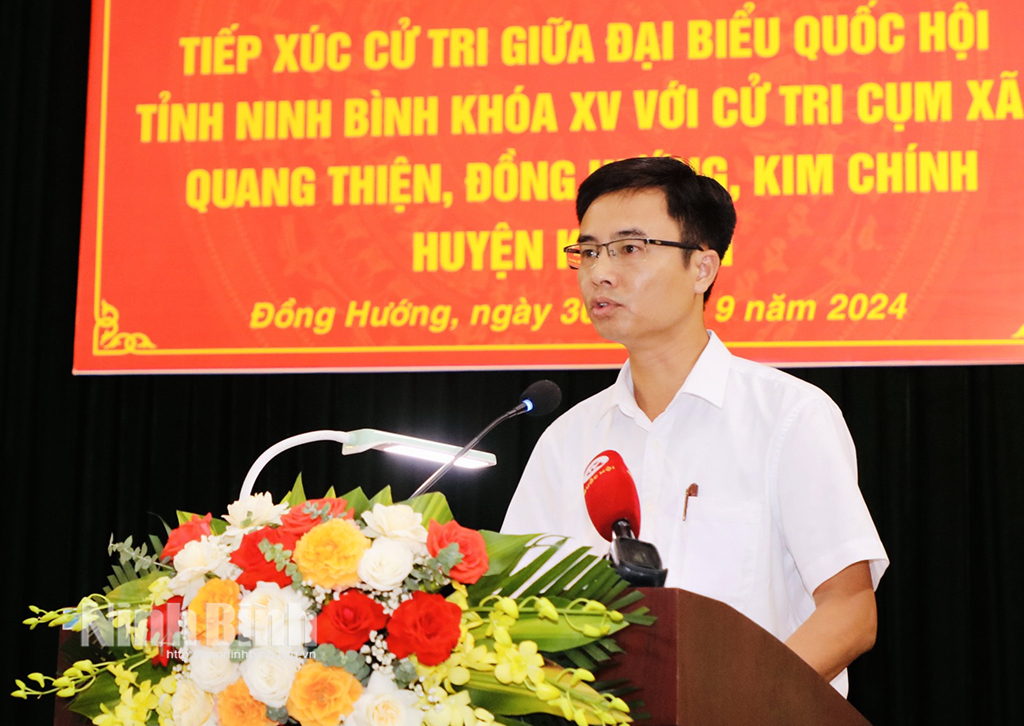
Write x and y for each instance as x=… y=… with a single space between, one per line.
x=628 y=251
x=574 y=257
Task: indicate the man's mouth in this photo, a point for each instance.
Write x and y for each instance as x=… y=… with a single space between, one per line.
x=602 y=305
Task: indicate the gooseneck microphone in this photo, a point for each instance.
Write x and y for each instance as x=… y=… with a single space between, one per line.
x=539 y=399
x=614 y=508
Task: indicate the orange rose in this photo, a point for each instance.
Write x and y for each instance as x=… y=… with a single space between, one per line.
x=213 y=612
x=237 y=707
x=474 y=562
x=321 y=695
x=329 y=554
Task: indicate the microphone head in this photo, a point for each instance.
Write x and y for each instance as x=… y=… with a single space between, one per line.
x=541 y=398
x=610 y=493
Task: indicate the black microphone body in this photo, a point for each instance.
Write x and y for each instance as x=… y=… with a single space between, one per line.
x=637 y=562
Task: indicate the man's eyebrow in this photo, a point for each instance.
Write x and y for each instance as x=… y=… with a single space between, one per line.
x=620 y=234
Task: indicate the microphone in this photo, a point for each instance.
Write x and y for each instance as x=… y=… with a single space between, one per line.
x=539 y=399
x=614 y=507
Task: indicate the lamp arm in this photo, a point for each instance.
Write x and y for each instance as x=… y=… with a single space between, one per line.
x=342 y=437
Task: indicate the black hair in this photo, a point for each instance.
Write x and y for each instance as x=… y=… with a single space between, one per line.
x=700 y=204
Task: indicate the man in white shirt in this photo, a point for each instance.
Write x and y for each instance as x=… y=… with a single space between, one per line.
x=775 y=524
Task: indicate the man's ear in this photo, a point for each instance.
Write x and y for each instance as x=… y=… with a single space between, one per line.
x=708 y=263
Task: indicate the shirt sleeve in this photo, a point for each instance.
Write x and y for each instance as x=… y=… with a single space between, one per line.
x=825 y=522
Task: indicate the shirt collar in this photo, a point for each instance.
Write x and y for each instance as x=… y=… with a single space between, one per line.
x=706 y=380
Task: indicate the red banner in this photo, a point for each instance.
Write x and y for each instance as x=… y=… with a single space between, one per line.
x=389 y=185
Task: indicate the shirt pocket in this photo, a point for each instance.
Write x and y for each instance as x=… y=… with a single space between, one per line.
x=720 y=548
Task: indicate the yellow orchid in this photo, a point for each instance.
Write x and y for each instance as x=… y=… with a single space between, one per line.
x=454 y=710
x=160 y=591
x=123 y=677
x=546 y=609
x=460 y=597
x=471 y=655
x=517 y=663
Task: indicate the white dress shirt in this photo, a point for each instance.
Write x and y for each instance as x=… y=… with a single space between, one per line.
x=777 y=511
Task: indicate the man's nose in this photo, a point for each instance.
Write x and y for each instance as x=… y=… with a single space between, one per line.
x=604 y=269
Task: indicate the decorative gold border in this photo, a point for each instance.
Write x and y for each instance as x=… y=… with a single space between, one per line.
x=107 y=340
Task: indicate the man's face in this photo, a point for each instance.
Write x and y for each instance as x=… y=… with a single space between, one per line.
x=652 y=302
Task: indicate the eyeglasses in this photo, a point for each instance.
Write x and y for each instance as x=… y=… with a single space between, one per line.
x=626 y=252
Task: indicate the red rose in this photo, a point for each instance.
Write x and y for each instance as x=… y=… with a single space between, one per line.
x=181 y=535
x=427 y=625
x=471 y=544
x=163 y=623
x=255 y=566
x=346 y=622
x=296 y=521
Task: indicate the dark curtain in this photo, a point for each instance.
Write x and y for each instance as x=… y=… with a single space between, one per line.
x=82 y=458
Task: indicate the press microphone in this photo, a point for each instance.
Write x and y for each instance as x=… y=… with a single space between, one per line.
x=539 y=399
x=614 y=507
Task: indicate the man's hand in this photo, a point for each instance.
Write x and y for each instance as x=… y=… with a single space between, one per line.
x=843 y=624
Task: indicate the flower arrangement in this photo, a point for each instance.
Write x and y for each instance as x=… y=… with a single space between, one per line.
x=342 y=610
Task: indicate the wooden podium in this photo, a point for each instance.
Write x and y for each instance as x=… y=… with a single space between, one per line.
x=705 y=664
x=702 y=664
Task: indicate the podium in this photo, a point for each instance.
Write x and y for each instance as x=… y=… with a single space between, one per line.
x=705 y=664
x=701 y=664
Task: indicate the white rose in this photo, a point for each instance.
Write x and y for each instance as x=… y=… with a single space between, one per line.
x=383 y=703
x=269 y=673
x=385 y=565
x=191 y=705
x=212 y=667
x=197 y=559
x=399 y=522
x=255 y=510
x=272 y=616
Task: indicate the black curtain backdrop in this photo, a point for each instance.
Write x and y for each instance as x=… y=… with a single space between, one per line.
x=82 y=458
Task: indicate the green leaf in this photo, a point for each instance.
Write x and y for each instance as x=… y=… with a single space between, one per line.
x=554 y=637
x=449 y=556
x=405 y=673
x=505 y=550
x=580 y=659
x=517 y=700
x=135 y=591
x=330 y=494
x=522 y=576
x=297 y=495
x=358 y=501
x=122 y=576
x=594 y=651
x=217 y=526
x=103 y=690
x=158 y=546
x=569 y=576
x=280 y=715
x=432 y=505
x=557 y=571
x=381 y=497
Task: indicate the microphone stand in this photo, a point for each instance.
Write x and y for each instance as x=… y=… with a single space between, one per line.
x=425 y=486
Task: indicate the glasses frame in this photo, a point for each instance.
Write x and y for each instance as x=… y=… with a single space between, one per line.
x=645 y=240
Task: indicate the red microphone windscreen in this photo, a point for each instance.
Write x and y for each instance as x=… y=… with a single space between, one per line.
x=610 y=493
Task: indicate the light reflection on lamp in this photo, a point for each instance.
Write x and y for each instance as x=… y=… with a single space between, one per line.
x=355 y=442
